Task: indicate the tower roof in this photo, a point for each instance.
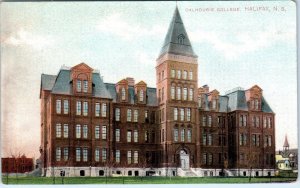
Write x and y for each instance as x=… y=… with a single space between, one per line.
x=177 y=41
x=286 y=143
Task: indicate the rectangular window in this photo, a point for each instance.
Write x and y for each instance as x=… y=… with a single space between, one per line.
x=78 y=108
x=104 y=156
x=214 y=104
x=146 y=116
x=78 y=154
x=128 y=115
x=104 y=132
x=257 y=121
x=178 y=93
x=191 y=75
x=210 y=159
x=172 y=73
x=97 y=154
x=78 y=131
x=189 y=135
x=199 y=102
x=66 y=130
x=204 y=139
x=162 y=93
x=269 y=123
x=270 y=140
x=209 y=121
x=135 y=115
x=128 y=136
x=85 y=108
x=97 y=109
x=191 y=94
x=255 y=139
x=243 y=139
x=85 y=86
x=178 y=74
x=58 y=106
x=117 y=116
x=141 y=98
x=175 y=135
x=209 y=139
x=78 y=85
x=181 y=114
x=58 y=154
x=184 y=74
x=188 y=114
x=182 y=135
x=175 y=114
x=66 y=106
x=85 y=131
x=117 y=135
x=85 y=154
x=58 y=130
x=128 y=157
x=244 y=120
x=135 y=136
x=123 y=92
x=204 y=159
x=172 y=92
x=204 y=121
x=104 y=109
x=265 y=122
x=184 y=93
x=135 y=157
x=163 y=135
x=66 y=154
x=97 y=132
x=118 y=156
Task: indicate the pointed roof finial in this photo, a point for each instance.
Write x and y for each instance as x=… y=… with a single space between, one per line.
x=286 y=143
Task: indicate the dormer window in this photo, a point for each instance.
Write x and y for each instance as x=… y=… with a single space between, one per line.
x=214 y=104
x=141 y=95
x=85 y=86
x=256 y=104
x=78 y=85
x=123 y=92
x=181 y=39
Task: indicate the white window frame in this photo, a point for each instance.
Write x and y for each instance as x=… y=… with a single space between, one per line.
x=185 y=92
x=129 y=157
x=66 y=154
x=97 y=109
x=104 y=109
x=178 y=93
x=97 y=132
x=181 y=114
x=129 y=115
x=85 y=86
x=78 y=154
x=123 y=94
x=97 y=154
x=141 y=98
x=85 y=154
x=104 y=155
x=129 y=136
x=173 y=92
x=66 y=130
x=104 y=132
x=85 y=131
x=58 y=106
x=135 y=136
x=85 y=108
x=66 y=106
x=78 y=107
x=58 y=130
x=135 y=115
x=78 y=131
x=117 y=115
x=117 y=135
x=135 y=157
x=118 y=156
x=191 y=94
x=58 y=154
x=78 y=85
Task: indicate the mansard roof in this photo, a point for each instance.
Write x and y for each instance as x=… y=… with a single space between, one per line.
x=172 y=40
x=62 y=84
x=151 y=94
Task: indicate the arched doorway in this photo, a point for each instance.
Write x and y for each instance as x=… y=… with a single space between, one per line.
x=184 y=159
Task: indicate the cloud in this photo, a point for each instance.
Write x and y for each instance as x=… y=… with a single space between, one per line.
x=116 y=25
x=144 y=58
x=243 y=42
x=25 y=38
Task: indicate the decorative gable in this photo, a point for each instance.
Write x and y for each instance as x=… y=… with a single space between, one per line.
x=122 y=91
x=254 y=97
x=140 y=90
x=81 y=76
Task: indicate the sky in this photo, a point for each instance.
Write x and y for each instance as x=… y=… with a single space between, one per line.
x=239 y=48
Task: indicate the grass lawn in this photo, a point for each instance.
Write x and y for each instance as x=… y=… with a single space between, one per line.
x=141 y=180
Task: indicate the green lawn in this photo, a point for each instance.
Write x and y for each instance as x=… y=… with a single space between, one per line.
x=139 y=180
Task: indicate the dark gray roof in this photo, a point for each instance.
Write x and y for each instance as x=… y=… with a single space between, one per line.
x=47 y=81
x=61 y=84
x=171 y=43
x=237 y=101
x=265 y=106
x=151 y=94
x=223 y=104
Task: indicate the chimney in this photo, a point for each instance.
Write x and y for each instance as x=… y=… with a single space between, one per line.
x=130 y=81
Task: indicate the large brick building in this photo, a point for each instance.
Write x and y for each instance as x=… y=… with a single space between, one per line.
x=92 y=128
x=20 y=164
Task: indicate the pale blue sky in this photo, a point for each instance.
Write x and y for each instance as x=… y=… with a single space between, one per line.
x=123 y=39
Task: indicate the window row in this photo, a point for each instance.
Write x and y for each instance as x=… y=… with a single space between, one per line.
x=183 y=133
x=82 y=108
x=267 y=121
x=179 y=74
x=213 y=103
x=79 y=84
x=81 y=131
x=207 y=121
x=182 y=93
x=255 y=140
x=140 y=94
x=182 y=115
x=255 y=104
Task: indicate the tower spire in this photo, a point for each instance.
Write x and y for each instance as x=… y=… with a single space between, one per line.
x=177 y=41
x=286 y=144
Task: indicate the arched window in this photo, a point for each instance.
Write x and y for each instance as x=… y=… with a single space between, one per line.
x=181 y=39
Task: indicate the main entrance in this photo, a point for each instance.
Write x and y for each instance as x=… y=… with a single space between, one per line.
x=184 y=160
